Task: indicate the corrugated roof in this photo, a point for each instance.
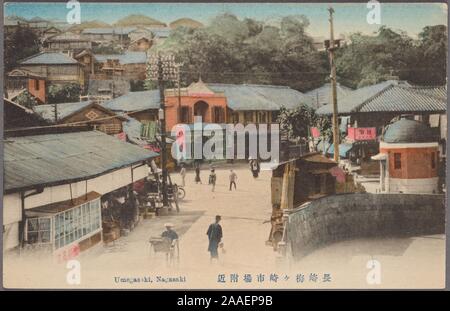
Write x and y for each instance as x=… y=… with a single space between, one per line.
x=408 y=99
x=134 y=101
x=355 y=99
x=128 y=57
x=49 y=58
x=47 y=112
x=54 y=159
x=260 y=97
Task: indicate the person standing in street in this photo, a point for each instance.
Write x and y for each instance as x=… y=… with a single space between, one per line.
x=197 y=174
x=233 y=178
x=215 y=235
x=212 y=179
x=183 y=174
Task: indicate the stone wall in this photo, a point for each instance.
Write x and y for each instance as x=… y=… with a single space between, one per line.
x=346 y=216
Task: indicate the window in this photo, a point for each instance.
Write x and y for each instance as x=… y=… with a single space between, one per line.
x=397 y=161
x=39 y=230
x=433 y=160
x=69 y=226
x=36 y=85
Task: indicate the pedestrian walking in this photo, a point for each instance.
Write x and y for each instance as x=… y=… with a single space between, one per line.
x=233 y=178
x=183 y=174
x=215 y=237
x=197 y=174
x=212 y=179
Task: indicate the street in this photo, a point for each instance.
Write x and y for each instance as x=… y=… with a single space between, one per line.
x=128 y=263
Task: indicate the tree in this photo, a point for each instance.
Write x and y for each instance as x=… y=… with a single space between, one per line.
x=230 y=50
x=18 y=45
x=296 y=123
x=25 y=99
x=433 y=55
x=368 y=60
x=64 y=93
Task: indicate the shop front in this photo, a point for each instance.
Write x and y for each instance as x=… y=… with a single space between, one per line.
x=65 y=228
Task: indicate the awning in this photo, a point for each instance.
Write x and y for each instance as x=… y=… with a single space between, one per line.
x=379 y=157
x=343 y=149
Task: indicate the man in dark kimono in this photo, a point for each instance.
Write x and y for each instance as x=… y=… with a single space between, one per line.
x=215 y=236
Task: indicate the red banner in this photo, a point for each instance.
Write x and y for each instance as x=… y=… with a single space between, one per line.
x=362 y=133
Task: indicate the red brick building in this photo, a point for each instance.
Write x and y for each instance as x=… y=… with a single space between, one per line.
x=409 y=158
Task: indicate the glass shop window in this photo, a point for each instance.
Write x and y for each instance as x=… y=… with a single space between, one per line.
x=39 y=230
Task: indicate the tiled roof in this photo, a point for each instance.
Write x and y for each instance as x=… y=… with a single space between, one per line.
x=49 y=58
x=128 y=57
x=408 y=99
x=260 y=97
x=356 y=99
x=55 y=159
x=322 y=95
x=134 y=101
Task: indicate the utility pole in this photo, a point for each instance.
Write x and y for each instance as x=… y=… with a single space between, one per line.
x=333 y=89
x=162 y=68
x=179 y=92
x=162 y=121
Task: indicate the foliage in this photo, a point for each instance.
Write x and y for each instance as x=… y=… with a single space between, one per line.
x=230 y=50
x=64 y=93
x=296 y=123
x=25 y=99
x=372 y=59
x=18 y=45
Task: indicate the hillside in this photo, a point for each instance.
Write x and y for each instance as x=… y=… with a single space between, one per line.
x=89 y=24
x=139 y=20
x=185 y=22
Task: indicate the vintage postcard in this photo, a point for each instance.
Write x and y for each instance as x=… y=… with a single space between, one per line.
x=224 y=145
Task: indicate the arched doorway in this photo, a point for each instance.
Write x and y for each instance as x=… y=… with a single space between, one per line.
x=200 y=110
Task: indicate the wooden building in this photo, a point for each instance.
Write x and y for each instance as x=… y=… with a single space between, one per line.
x=58 y=211
x=306 y=178
x=57 y=68
x=67 y=43
x=130 y=65
x=88 y=112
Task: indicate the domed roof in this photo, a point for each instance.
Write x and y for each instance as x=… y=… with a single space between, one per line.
x=407 y=131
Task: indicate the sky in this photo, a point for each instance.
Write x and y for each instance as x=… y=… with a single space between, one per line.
x=349 y=17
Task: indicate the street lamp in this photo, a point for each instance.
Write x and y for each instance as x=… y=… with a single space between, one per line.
x=162 y=68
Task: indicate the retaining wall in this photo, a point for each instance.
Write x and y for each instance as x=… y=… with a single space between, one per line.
x=346 y=216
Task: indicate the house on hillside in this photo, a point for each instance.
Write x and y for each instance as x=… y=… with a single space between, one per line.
x=57 y=68
x=129 y=65
x=19 y=80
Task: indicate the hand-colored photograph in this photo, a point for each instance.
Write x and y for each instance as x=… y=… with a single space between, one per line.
x=224 y=145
